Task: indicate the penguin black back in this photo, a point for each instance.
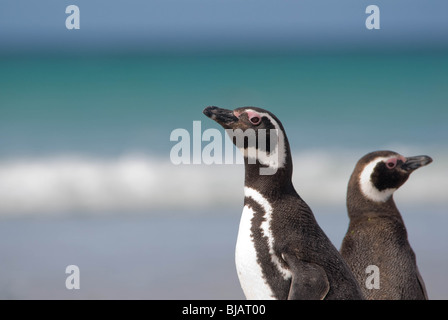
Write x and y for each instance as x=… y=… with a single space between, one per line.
x=281 y=251
x=377 y=235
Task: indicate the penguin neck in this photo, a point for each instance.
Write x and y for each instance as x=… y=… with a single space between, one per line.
x=359 y=206
x=270 y=184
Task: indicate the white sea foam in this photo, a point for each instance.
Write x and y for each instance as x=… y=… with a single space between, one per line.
x=59 y=184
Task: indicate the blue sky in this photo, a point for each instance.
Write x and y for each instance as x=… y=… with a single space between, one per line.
x=220 y=24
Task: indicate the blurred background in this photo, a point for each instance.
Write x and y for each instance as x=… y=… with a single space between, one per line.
x=86 y=117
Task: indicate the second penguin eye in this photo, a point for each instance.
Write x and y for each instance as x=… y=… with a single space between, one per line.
x=391 y=163
x=255 y=120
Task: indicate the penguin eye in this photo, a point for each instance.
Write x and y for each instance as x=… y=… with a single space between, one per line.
x=391 y=163
x=254 y=117
x=255 y=120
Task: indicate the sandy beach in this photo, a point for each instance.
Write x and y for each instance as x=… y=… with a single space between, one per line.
x=167 y=256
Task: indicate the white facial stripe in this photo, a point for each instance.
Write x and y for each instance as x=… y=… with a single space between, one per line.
x=265 y=227
x=276 y=159
x=367 y=187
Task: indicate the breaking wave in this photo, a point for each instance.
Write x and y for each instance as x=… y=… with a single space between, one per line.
x=138 y=182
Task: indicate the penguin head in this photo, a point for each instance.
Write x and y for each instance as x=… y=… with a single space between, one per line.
x=243 y=118
x=256 y=132
x=381 y=173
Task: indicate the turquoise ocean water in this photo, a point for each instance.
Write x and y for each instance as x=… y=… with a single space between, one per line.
x=85 y=126
x=85 y=143
x=110 y=105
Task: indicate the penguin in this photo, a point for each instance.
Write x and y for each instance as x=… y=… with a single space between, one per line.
x=376 y=234
x=281 y=252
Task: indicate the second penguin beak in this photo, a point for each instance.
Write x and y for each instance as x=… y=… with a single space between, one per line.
x=413 y=163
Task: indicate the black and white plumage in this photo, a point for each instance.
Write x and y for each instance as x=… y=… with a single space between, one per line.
x=377 y=234
x=281 y=251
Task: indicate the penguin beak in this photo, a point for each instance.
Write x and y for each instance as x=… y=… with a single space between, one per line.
x=224 y=117
x=413 y=163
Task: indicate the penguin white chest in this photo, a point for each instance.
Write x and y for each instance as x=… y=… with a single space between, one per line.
x=249 y=271
x=249 y=267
